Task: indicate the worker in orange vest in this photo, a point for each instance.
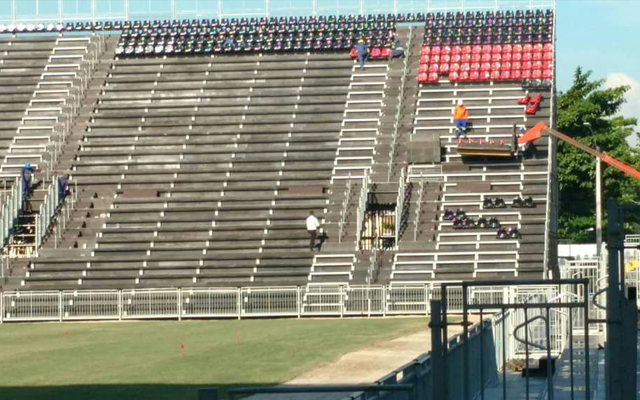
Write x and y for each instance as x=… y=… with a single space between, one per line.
x=460 y=117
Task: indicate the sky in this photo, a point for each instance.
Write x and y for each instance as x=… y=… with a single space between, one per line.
x=602 y=36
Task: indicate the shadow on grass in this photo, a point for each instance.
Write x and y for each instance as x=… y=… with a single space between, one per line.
x=115 y=392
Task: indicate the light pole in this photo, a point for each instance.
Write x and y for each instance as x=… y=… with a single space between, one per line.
x=598 y=197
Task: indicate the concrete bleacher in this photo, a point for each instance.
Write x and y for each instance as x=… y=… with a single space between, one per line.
x=440 y=253
x=200 y=171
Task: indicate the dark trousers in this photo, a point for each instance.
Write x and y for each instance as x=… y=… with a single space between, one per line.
x=361 y=60
x=312 y=239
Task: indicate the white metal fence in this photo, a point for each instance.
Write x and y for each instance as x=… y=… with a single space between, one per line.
x=34 y=11
x=246 y=302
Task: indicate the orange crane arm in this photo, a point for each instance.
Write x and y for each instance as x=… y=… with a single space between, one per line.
x=619 y=165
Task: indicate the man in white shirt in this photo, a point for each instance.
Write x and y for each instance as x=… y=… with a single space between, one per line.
x=312 y=227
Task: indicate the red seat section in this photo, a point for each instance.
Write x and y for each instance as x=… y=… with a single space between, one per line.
x=481 y=63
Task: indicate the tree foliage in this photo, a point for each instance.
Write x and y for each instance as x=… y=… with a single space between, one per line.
x=588 y=113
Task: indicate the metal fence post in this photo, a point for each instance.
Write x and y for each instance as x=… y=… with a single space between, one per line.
x=119 y=305
x=60 y=305
x=385 y=293
x=239 y=302
x=341 y=301
x=179 y=304
x=299 y=301
x=438 y=373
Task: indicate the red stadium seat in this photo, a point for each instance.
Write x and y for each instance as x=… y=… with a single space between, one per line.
x=537 y=56
x=466 y=49
x=466 y=57
x=547 y=65
x=435 y=50
x=454 y=76
x=455 y=67
x=507 y=48
x=487 y=49
x=476 y=49
x=507 y=56
x=435 y=58
x=527 y=48
x=527 y=57
x=423 y=68
x=485 y=67
x=548 y=56
x=505 y=75
x=527 y=66
x=485 y=76
x=476 y=57
x=516 y=74
x=446 y=50
x=517 y=66
x=434 y=68
x=547 y=74
x=425 y=51
x=425 y=58
x=465 y=67
x=497 y=49
x=527 y=74
x=463 y=77
x=548 y=47
x=506 y=66
x=536 y=74
x=423 y=78
x=456 y=50
x=517 y=48
x=537 y=65
x=353 y=54
x=496 y=57
x=486 y=57
x=538 y=48
x=495 y=75
x=516 y=57
x=456 y=58
x=434 y=77
x=375 y=53
x=386 y=52
x=474 y=76
x=445 y=58
x=496 y=66
x=444 y=68
x=475 y=67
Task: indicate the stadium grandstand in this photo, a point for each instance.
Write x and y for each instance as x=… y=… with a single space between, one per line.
x=160 y=160
x=195 y=149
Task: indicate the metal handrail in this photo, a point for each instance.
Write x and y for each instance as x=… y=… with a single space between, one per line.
x=402 y=191
x=418 y=210
x=345 y=206
x=362 y=207
x=9 y=211
x=396 y=125
x=373 y=261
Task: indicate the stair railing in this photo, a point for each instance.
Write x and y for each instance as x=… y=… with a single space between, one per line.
x=416 y=224
x=362 y=207
x=396 y=125
x=402 y=190
x=345 y=207
x=9 y=211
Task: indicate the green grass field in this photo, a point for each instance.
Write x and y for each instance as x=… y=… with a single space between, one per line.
x=145 y=360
